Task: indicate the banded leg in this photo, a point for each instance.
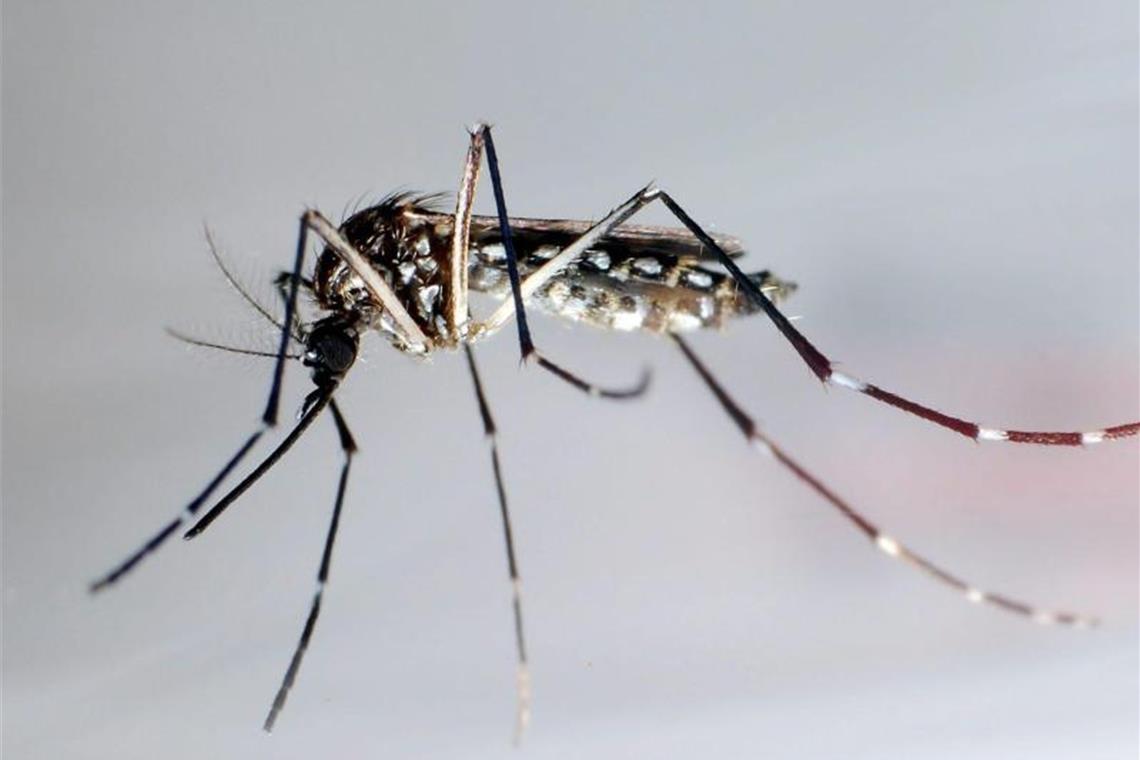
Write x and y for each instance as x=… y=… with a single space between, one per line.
x=348 y=446
x=315 y=403
x=522 y=683
x=526 y=344
x=268 y=420
x=884 y=542
x=822 y=367
x=819 y=364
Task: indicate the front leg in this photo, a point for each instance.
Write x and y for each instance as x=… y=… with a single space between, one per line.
x=520 y=291
x=455 y=282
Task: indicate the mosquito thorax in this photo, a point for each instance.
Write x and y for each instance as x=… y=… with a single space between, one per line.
x=410 y=254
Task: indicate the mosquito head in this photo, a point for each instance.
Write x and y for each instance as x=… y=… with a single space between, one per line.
x=330 y=349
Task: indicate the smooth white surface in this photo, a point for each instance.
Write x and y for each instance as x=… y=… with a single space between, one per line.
x=954 y=188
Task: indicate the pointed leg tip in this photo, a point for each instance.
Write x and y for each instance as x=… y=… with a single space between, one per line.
x=521 y=724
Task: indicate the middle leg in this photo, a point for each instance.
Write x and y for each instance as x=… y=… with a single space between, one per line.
x=521 y=291
x=348 y=446
x=522 y=683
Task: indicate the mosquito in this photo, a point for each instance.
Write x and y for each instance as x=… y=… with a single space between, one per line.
x=404 y=268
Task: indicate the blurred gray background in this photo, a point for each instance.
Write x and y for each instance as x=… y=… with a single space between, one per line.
x=954 y=186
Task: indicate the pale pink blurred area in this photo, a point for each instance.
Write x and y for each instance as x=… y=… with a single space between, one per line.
x=953 y=186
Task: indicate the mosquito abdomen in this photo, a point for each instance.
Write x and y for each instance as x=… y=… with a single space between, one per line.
x=612 y=291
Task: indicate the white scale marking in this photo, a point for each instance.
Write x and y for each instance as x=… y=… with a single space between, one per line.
x=626 y=320
x=698 y=279
x=977 y=596
x=992 y=434
x=1088 y=439
x=427 y=297
x=522 y=686
x=706 y=307
x=681 y=321
x=494 y=252
x=888 y=545
x=599 y=259
x=522 y=681
x=761 y=446
x=846 y=381
x=651 y=267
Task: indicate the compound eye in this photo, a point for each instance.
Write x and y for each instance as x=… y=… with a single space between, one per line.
x=332 y=349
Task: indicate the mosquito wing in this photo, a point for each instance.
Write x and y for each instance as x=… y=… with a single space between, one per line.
x=630 y=239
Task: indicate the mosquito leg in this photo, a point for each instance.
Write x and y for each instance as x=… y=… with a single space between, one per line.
x=455 y=292
x=186 y=515
x=315 y=403
x=268 y=420
x=322 y=396
x=348 y=446
x=523 y=674
x=274 y=402
x=884 y=542
x=819 y=364
x=526 y=344
x=319 y=398
x=822 y=367
x=283 y=282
